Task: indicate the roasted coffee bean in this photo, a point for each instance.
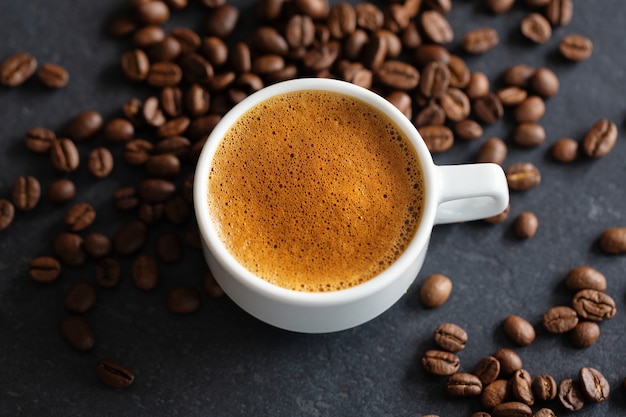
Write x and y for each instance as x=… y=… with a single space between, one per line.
x=316 y=9
x=487 y=370
x=97 y=245
x=324 y=57
x=79 y=217
x=176 y=145
x=477 y=85
x=564 y=150
x=137 y=151
x=125 y=198
x=402 y=101
x=426 y=53
x=68 y=247
x=435 y=290
x=114 y=374
x=171 y=100
x=512 y=96
x=544 y=82
x=455 y=104
x=130 y=238
x=437 y=138
x=64 y=155
x=526 y=225
x=544 y=412
x=83 y=126
x=341 y=20
x=594 y=305
x=26 y=193
x=492 y=150
x=211 y=286
x=240 y=58
x=16 y=69
x=100 y=162
x=432 y=114
x=600 y=138
x=436 y=27
x=39 y=139
x=560 y=319
x=268 y=64
x=77 y=331
x=544 y=387
x=183 y=299
x=80 y=298
x=61 y=191
x=53 y=75
x=119 y=130
x=397 y=19
x=107 y=272
x=155 y=190
x=585 y=277
x=152 y=113
x=151 y=213
x=559 y=12
x=221 y=21
x=479 y=41
x=7 y=213
x=536 y=28
x=512 y=409
x=488 y=108
x=169 y=247
x=518 y=75
x=169 y=49
x=211 y=4
x=571 y=394
x=164 y=74
x=133 y=111
x=463 y=385
x=521 y=387
x=196 y=100
x=440 y=363
x=44 y=269
x=368 y=16
x=121 y=26
x=355 y=44
x=518 y=330
x=188 y=39
x=459 y=72
x=356 y=73
x=499 y=218
x=148 y=35
x=499 y=6
x=393 y=42
x=585 y=334
x=495 y=393
x=530 y=110
x=576 y=47
x=145 y=272
x=164 y=165
x=613 y=241
x=153 y=12
x=177 y=209
x=135 y=65
x=195 y=68
x=523 y=176
x=450 y=337
x=442 y=6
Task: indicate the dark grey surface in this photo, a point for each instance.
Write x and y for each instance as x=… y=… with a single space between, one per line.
x=222 y=362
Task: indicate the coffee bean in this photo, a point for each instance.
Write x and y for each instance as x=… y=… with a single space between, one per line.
x=77 y=331
x=341 y=20
x=440 y=363
x=571 y=394
x=479 y=41
x=133 y=111
x=585 y=277
x=402 y=101
x=436 y=27
x=526 y=225
x=398 y=75
x=559 y=12
x=432 y=114
x=152 y=113
x=594 y=384
x=518 y=330
x=83 y=126
x=240 y=57
x=107 y=272
x=477 y=85
x=600 y=138
x=177 y=145
x=499 y=6
x=544 y=387
x=153 y=12
x=529 y=135
x=64 y=155
x=488 y=108
x=196 y=100
x=544 y=82
x=68 y=248
x=560 y=319
x=130 y=238
x=426 y=53
x=53 y=75
x=594 y=305
x=79 y=217
x=495 y=393
x=211 y=286
x=499 y=218
x=26 y=193
x=435 y=291
x=44 y=269
x=39 y=139
x=147 y=36
x=463 y=385
x=114 y=374
x=162 y=166
x=368 y=16
x=536 y=28
x=61 y=191
x=100 y=162
x=195 y=68
x=544 y=412
x=585 y=334
x=530 y=110
x=164 y=74
x=126 y=198
x=613 y=241
x=155 y=190
x=459 y=72
x=80 y=298
x=487 y=370
x=97 y=245
x=16 y=69
x=171 y=100
x=565 y=150
x=150 y=213
x=518 y=75
x=437 y=138
x=576 y=47
x=177 y=209
x=521 y=387
x=512 y=409
x=523 y=176
x=450 y=337
x=492 y=150
x=455 y=104
x=435 y=78
x=183 y=299
x=7 y=213
x=221 y=21
x=167 y=50
x=137 y=151
x=169 y=247
x=316 y=9
x=189 y=40
x=121 y=26
x=512 y=96
x=145 y=272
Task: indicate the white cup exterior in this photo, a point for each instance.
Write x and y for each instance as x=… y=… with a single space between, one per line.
x=482 y=193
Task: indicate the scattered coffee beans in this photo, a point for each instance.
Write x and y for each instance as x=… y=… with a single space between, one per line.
x=576 y=47
x=77 y=331
x=450 y=337
x=544 y=387
x=61 y=191
x=600 y=138
x=16 y=69
x=440 y=363
x=585 y=277
x=463 y=385
x=520 y=331
x=571 y=395
x=7 y=213
x=53 y=75
x=594 y=385
x=565 y=150
x=79 y=217
x=594 y=305
x=44 y=269
x=526 y=225
x=435 y=291
x=585 y=334
x=39 y=139
x=26 y=193
x=560 y=319
x=114 y=374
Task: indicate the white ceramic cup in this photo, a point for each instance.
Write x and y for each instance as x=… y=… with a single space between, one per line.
x=453 y=193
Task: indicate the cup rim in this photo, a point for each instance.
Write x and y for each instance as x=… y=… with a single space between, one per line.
x=272 y=291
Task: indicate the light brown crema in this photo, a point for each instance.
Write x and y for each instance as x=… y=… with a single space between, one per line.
x=315 y=191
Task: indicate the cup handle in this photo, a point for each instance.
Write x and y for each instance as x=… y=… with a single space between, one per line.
x=471 y=192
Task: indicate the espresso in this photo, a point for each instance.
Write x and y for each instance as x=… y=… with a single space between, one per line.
x=315 y=191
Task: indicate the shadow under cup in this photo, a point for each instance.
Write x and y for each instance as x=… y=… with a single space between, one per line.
x=320 y=312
